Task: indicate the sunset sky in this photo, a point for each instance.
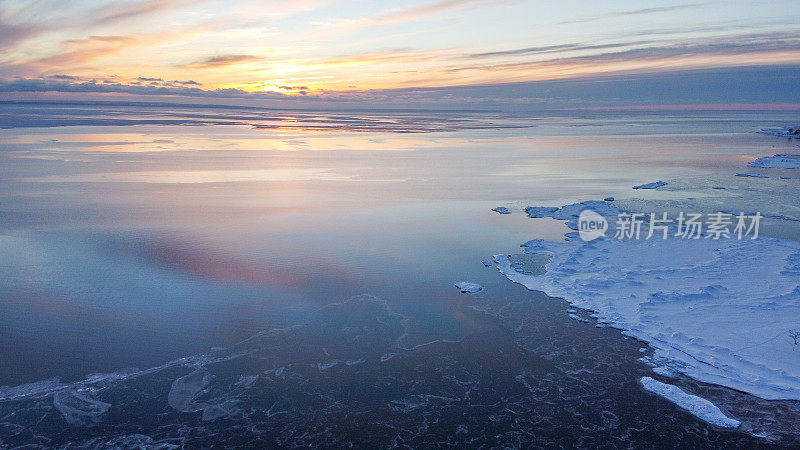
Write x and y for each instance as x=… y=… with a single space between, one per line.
x=313 y=47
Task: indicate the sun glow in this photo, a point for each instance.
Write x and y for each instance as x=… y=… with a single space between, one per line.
x=313 y=47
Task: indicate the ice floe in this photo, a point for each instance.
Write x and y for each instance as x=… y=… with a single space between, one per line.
x=78 y=408
x=501 y=210
x=247 y=381
x=186 y=389
x=535 y=212
x=779 y=161
x=572 y=211
x=653 y=185
x=213 y=412
x=751 y=175
x=710 y=316
x=325 y=365
x=467 y=287
x=698 y=406
x=486 y=262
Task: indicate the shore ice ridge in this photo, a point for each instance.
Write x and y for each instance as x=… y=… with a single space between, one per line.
x=705 y=313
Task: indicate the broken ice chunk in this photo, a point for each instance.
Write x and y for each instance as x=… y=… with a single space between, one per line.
x=535 y=212
x=467 y=287
x=698 y=406
x=212 y=412
x=664 y=371
x=578 y=318
x=653 y=185
x=501 y=210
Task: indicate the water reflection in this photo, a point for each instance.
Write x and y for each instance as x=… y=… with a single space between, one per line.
x=132 y=246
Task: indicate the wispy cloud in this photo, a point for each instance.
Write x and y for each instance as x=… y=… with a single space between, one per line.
x=11 y=34
x=318 y=45
x=82 y=53
x=106 y=39
x=79 y=52
x=408 y=14
x=634 y=12
x=420 y=11
x=135 y=10
x=555 y=48
x=393 y=55
x=25 y=23
x=678 y=52
x=221 y=61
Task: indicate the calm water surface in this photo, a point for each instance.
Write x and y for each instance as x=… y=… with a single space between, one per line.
x=131 y=237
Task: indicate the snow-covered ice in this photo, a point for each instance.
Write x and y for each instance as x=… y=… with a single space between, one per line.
x=698 y=406
x=572 y=211
x=779 y=161
x=664 y=371
x=653 y=185
x=468 y=287
x=707 y=314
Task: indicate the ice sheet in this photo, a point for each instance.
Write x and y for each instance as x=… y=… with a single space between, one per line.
x=708 y=315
